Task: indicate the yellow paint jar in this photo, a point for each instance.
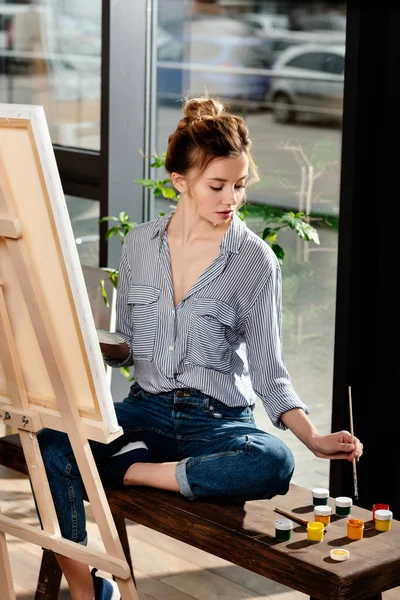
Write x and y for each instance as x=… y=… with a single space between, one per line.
x=322 y=514
x=355 y=529
x=315 y=531
x=383 y=520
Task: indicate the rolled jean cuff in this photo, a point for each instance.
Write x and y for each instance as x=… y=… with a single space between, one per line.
x=182 y=480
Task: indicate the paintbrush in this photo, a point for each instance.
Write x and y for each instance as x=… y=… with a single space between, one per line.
x=352 y=435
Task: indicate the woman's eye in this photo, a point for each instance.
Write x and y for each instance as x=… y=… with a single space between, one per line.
x=218 y=189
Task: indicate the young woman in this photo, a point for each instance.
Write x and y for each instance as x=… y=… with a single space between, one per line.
x=199 y=308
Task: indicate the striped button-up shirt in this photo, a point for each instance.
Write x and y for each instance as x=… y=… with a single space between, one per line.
x=223 y=339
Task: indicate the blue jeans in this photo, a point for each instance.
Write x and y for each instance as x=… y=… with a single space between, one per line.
x=220 y=452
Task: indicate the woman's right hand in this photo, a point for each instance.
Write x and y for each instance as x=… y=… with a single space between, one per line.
x=115 y=352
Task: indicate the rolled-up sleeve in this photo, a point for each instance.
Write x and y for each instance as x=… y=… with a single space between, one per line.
x=263 y=334
x=123 y=310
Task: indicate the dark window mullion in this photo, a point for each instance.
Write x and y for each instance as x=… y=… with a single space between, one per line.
x=78 y=166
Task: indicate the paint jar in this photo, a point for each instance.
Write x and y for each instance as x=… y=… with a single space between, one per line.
x=355 y=529
x=383 y=520
x=379 y=507
x=339 y=554
x=322 y=514
x=320 y=496
x=315 y=531
x=343 y=506
x=283 y=529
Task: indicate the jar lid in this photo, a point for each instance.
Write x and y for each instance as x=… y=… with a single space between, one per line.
x=339 y=554
x=323 y=510
x=283 y=524
x=383 y=515
x=320 y=493
x=343 y=501
x=315 y=526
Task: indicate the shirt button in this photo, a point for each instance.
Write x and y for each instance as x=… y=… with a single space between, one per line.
x=171 y=347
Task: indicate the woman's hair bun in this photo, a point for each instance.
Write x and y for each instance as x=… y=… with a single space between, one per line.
x=202 y=108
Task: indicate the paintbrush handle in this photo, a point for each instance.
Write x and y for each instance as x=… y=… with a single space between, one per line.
x=292 y=517
x=352 y=436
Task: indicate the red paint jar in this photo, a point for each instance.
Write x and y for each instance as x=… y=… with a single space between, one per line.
x=379 y=507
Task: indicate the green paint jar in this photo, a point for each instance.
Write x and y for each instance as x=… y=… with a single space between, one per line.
x=320 y=496
x=343 y=506
x=283 y=529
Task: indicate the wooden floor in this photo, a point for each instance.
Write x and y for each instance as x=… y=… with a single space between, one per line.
x=165 y=569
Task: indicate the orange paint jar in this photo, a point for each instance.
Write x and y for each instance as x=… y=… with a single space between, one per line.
x=322 y=514
x=355 y=529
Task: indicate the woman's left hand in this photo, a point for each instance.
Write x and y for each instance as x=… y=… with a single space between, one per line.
x=337 y=445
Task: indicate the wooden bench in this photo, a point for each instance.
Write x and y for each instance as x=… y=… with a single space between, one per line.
x=245 y=535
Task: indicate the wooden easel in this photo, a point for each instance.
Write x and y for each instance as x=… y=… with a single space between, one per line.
x=20 y=415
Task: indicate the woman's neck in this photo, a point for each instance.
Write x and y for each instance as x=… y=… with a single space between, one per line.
x=187 y=226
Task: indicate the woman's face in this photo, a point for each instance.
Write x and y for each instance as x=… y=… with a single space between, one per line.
x=219 y=191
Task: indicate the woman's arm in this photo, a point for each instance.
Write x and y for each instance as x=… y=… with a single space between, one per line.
x=332 y=446
x=114 y=352
x=271 y=380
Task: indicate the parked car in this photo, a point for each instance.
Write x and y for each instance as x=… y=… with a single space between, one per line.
x=208 y=25
x=326 y=21
x=309 y=80
x=264 y=24
x=192 y=66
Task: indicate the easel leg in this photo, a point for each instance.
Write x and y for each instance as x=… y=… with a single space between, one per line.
x=6 y=582
x=123 y=536
x=49 y=582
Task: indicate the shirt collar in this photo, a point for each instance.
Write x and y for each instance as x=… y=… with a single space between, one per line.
x=231 y=241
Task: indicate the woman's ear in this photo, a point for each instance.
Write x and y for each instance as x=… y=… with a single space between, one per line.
x=178 y=181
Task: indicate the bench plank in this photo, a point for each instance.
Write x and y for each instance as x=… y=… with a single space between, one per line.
x=244 y=535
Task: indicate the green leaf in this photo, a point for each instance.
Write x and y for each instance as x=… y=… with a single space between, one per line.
x=123 y=217
x=279 y=252
x=148 y=183
x=103 y=219
x=304 y=230
x=127 y=373
x=168 y=193
x=112 y=275
x=111 y=232
x=104 y=293
x=158 y=162
x=241 y=214
x=268 y=231
x=307 y=233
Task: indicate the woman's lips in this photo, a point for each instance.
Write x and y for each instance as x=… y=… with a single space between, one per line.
x=225 y=213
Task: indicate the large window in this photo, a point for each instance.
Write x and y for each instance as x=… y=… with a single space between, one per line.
x=85 y=215
x=251 y=56
x=50 y=54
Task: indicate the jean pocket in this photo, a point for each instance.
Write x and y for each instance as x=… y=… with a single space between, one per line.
x=211 y=323
x=143 y=300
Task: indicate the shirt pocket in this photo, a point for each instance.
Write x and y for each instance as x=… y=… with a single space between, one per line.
x=208 y=346
x=143 y=300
